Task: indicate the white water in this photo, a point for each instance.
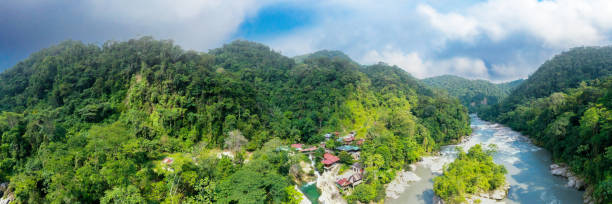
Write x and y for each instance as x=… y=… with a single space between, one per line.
x=312 y=163
x=528 y=168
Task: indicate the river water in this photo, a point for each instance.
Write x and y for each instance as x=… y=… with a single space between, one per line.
x=528 y=168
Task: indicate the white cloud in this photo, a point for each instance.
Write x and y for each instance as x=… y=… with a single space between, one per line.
x=411 y=62
x=454 y=37
x=453 y=25
x=414 y=64
x=559 y=24
x=194 y=24
x=437 y=37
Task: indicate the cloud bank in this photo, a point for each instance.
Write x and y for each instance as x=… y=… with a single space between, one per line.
x=499 y=40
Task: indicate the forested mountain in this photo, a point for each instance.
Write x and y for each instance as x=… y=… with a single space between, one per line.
x=474 y=94
x=86 y=123
x=324 y=53
x=566 y=106
x=566 y=70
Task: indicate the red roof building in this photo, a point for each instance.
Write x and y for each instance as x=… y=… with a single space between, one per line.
x=343 y=182
x=329 y=159
x=348 y=139
x=360 y=141
x=297 y=146
x=352 y=181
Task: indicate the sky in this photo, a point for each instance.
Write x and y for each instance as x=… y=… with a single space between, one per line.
x=497 y=40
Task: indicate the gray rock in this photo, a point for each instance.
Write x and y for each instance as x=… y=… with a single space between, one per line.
x=437 y=200
x=327 y=184
x=500 y=193
x=559 y=171
x=3 y=187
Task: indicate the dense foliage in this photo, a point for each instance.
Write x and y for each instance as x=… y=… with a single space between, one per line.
x=87 y=123
x=566 y=106
x=566 y=70
x=474 y=94
x=470 y=173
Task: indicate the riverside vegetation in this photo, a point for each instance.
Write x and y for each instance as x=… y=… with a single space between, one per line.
x=144 y=121
x=471 y=173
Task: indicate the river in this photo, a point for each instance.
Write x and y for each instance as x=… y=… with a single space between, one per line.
x=528 y=168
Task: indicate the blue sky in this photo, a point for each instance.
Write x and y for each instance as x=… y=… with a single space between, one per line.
x=499 y=40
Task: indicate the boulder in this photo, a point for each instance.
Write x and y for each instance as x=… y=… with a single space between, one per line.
x=559 y=171
x=437 y=200
x=5 y=200
x=573 y=181
x=499 y=193
x=3 y=187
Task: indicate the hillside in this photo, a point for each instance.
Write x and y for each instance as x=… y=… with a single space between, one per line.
x=565 y=106
x=334 y=54
x=565 y=70
x=144 y=121
x=474 y=94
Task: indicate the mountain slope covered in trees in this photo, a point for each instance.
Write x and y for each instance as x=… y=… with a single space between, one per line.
x=566 y=106
x=474 y=94
x=86 y=123
x=566 y=70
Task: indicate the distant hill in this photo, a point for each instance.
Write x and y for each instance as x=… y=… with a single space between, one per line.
x=474 y=94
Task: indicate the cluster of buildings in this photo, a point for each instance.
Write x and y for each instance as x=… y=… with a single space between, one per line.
x=349 y=178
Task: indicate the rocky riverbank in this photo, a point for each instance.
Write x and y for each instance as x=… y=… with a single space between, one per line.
x=564 y=171
x=494 y=196
x=327 y=184
x=401 y=181
x=573 y=181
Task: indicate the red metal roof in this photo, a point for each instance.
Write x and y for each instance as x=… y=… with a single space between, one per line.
x=297 y=146
x=330 y=159
x=343 y=182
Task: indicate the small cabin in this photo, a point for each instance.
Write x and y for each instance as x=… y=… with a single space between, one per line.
x=351 y=181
